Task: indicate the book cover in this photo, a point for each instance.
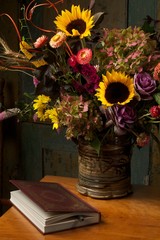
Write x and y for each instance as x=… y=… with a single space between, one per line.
x=51 y=207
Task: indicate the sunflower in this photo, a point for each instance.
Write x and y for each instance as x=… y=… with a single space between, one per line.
x=116 y=88
x=75 y=23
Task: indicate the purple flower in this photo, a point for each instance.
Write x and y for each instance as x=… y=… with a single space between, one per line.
x=125 y=116
x=145 y=85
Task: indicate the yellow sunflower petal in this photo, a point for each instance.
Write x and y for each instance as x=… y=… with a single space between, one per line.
x=78 y=12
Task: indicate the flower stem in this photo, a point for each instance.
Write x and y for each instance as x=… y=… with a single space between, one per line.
x=83 y=43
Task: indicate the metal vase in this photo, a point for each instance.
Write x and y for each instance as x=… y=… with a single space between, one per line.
x=107 y=174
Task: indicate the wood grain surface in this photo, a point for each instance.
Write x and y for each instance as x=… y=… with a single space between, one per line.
x=135 y=217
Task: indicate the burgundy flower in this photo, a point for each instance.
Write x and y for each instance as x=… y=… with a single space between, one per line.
x=155 y=111
x=145 y=85
x=87 y=70
x=78 y=86
x=90 y=79
x=72 y=61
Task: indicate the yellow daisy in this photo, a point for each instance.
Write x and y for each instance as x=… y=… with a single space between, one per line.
x=41 y=102
x=116 y=88
x=75 y=23
x=41 y=114
x=53 y=116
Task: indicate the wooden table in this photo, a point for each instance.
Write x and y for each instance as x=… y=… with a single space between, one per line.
x=136 y=217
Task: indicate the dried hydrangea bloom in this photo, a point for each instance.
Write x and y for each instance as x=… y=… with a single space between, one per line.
x=156 y=73
x=124 y=50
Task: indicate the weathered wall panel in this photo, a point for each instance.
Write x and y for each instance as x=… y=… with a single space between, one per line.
x=44 y=151
x=141 y=161
x=139 y=9
x=115 y=12
x=10 y=93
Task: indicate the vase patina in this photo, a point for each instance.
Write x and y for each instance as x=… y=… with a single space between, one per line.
x=107 y=174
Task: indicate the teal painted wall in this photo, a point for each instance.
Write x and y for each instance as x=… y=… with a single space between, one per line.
x=139 y=9
x=137 y=12
x=46 y=152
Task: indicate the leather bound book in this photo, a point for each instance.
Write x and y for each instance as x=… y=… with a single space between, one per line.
x=51 y=207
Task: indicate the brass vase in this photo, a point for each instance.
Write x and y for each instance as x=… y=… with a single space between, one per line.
x=107 y=174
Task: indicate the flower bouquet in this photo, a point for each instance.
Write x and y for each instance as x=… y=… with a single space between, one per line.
x=96 y=83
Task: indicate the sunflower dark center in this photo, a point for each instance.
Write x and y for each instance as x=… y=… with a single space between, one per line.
x=78 y=25
x=116 y=92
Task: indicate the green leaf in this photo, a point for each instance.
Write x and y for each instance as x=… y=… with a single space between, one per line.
x=157 y=97
x=148 y=28
x=96 y=144
x=98 y=17
x=158 y=88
